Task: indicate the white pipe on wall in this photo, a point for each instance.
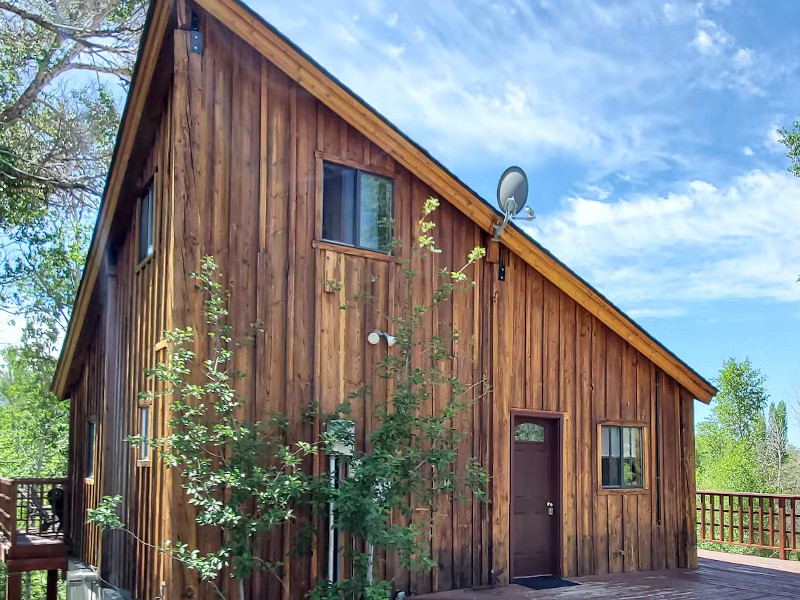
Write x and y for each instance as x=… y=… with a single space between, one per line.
x=331 y=524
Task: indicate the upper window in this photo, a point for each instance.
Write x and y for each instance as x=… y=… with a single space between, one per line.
x=146 y=224
x=622 y=457
x=90 y=448
x=529 y=432
x=356 y=208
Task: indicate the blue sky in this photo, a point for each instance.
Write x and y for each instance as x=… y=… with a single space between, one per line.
x=648 y=130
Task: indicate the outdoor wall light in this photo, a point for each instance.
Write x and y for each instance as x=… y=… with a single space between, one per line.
x=375 y=337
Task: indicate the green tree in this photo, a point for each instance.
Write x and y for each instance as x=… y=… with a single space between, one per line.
x=731 y=441
x=791 y=139
x=739 y=405
x=776 y=444
x=34 y=424
x=64 y=65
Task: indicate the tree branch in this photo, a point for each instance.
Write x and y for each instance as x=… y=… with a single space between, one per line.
x=17 y=173
x=44 y=75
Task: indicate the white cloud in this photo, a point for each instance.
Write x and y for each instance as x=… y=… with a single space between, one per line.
x=743 y=58
x=395 y=51
x=698 y=243
x=772 y=138
x=606 y=87
x=526 y=87
x=747 y=151
x=710 y=38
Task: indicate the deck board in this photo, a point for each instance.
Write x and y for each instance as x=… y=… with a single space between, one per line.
x=719 y=575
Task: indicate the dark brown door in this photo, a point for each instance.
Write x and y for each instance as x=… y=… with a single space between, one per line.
x=535 y=497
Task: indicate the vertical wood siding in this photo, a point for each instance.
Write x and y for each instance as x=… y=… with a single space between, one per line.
x=240 y=154
x=133 y=314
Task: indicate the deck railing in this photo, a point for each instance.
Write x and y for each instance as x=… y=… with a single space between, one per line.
x=8 y=511
x=32 y=506
x=765 y=521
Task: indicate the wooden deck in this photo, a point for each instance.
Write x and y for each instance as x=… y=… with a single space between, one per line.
x=720 y=575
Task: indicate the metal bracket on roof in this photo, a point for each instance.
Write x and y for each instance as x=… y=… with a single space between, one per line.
x=195 y=37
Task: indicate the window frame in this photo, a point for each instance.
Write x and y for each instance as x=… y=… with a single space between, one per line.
x=90 y=447
x=144 y=458
x=145 y=403
x=373 y=170
x=622 y=488
x=149 y=189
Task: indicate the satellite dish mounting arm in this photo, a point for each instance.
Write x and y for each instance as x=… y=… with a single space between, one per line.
x=510 y=210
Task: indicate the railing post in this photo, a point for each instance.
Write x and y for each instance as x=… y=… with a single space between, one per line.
x=15 y=514
x=782 y=529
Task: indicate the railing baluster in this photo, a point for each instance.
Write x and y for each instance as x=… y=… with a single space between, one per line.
x=740 y=499
x=771 y=525
x=750 y=521
x=760 y=522
x=702 y=516
x=711 y=500
x=730 y=517
x=781 y=529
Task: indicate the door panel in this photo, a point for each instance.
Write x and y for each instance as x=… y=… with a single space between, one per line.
x=534 y=484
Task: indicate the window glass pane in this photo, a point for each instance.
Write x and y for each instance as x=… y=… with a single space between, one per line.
x=614 y=448
x=606 y=440
x=610 y=472
x=529 y=432
x=146 y=225
x=626 y=442
x=90 y=437
x=633 y=462
x=339 y=204
x=375 y=208
x=144 y=445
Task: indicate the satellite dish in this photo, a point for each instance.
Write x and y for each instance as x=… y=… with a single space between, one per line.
x=512 y=193
x=512 y=190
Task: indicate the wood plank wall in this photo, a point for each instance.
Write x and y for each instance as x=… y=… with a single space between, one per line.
x=134 y=314
x=241 y=158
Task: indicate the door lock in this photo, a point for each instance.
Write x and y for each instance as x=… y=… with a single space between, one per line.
x=550 y=508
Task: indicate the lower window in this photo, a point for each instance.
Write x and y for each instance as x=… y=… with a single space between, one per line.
x=622 y=457
x=144 y=427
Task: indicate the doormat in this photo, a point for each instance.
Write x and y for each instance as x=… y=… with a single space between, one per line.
x=543 y=583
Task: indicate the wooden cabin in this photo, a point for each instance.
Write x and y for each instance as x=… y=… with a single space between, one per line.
x=229 y=141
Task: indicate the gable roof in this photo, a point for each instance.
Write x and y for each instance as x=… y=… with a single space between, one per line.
x=279 y=50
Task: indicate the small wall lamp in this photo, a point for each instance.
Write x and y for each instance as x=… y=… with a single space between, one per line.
x=375 y=337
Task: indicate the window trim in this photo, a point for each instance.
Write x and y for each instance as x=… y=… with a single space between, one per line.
x=145 y=402
x=148 y=188
x=645 y=488
x=374 y=170
x=89 y=478
x=146 y=461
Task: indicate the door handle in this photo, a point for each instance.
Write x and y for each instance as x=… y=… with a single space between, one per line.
x=550 y=509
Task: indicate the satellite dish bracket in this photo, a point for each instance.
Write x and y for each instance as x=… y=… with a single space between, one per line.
x=511 y=214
